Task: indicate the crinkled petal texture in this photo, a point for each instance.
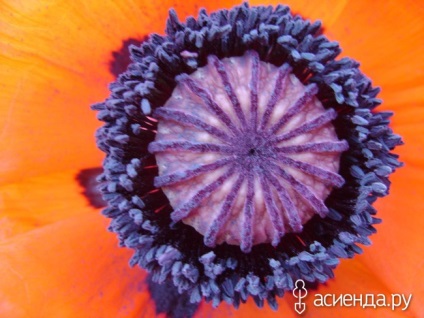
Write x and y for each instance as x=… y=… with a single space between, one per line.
x=54 y=58
x=57 y=260
x=67 y=269
x=38 y=201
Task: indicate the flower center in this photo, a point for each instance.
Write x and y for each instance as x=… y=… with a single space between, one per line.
x=246 y=152
x=242 y=152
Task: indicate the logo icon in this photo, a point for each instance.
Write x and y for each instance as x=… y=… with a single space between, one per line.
x=300 y=292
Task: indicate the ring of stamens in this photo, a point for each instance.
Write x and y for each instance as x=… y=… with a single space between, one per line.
x=140 y=211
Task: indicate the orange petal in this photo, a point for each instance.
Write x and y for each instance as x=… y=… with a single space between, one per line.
x=55 y=63
x=39 y=201
x=24 y=130
x=407 y=122
x=354 y=278
x=72 y=268
x=386 y=38
x=397 y=252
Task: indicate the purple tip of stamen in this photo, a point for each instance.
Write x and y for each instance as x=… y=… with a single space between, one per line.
x=238 y=163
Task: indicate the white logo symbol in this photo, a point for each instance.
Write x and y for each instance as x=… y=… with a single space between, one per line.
x=300 y=292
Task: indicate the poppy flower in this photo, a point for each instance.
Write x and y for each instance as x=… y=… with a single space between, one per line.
x=57 y=258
